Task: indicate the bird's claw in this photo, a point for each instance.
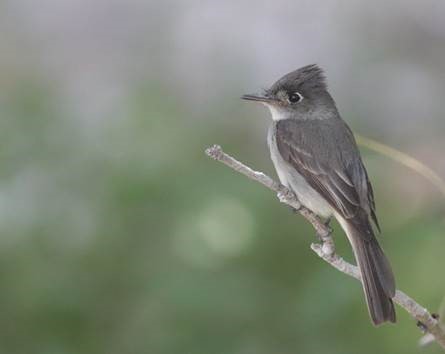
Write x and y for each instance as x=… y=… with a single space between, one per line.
x=283 y=196
x=422 y=326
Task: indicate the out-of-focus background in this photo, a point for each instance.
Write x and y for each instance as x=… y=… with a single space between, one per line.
x=117 y=233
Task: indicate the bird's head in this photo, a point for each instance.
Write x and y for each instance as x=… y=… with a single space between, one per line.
x=299 y=94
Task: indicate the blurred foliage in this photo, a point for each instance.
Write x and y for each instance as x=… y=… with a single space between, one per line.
x=118 y=235
x=138 y=243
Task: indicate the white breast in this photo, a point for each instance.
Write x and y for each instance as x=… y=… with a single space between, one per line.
x=289 y=177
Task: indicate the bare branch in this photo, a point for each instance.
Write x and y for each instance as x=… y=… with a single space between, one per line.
x=326 y=250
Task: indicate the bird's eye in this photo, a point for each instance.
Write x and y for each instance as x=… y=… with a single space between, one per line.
x=295 y=97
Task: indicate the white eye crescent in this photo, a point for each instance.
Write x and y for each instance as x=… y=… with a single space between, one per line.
x=294 y=97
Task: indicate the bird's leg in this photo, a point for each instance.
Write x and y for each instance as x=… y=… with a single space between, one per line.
x=328 y=221
x=325 y=238
x=286 y=196
x=428 y=338
x=422 y=326
x=322 y=238
x=324 y=234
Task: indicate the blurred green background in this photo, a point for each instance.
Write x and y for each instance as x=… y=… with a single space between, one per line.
x=117 y=233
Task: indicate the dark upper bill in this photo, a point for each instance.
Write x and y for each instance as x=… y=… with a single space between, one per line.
x=257 y=98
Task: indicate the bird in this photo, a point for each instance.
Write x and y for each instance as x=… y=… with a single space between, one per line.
x=316 y=156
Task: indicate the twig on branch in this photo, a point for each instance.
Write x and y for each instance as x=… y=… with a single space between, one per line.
x=326 y=249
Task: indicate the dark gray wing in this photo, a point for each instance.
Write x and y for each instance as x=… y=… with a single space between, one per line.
x=324 y=152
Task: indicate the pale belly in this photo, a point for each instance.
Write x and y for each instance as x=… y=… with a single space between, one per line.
x=289 y=177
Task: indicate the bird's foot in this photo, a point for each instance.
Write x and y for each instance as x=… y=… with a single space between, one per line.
x=422 y=326
x=285 y=196
x=325 y=238
x=325 y=235
x=327 y=222
x=328 y=246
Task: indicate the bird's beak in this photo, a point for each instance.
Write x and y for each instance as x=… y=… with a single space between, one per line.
x=257 y=98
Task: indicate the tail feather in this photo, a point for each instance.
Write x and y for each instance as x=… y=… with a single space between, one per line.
x=377 y=277
x=383 y=268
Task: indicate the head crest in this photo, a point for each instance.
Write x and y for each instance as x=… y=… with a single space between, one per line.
x=309 y=77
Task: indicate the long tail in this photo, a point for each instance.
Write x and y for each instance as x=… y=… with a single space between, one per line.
x=377 y=277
